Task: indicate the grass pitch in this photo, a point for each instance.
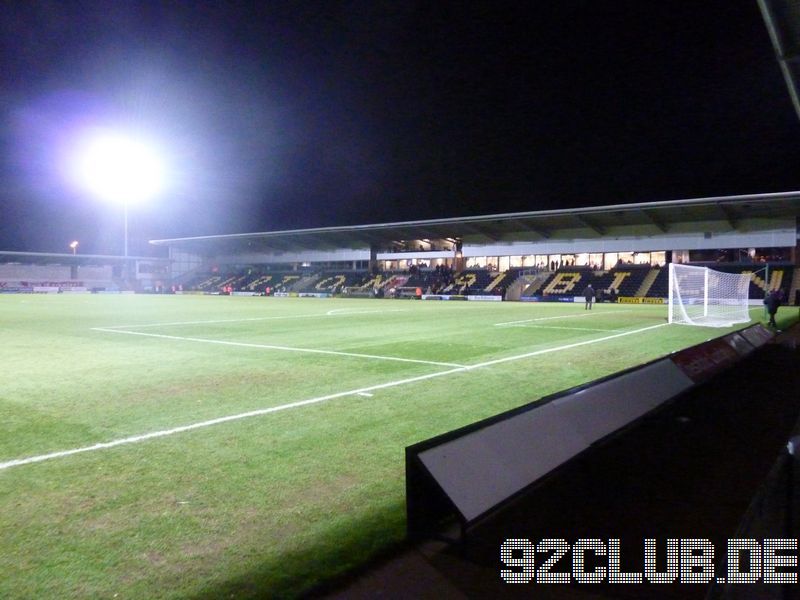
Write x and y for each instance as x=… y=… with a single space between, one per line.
x=168 y=498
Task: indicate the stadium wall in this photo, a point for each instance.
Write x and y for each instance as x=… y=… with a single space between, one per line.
x=16 y=271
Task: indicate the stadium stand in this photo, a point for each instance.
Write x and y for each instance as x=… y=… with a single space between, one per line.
x=481 y=282
x=27 y=277
x=660 y=285
x=334 y=281
x=627 y=280
x=531 y=283
x=568 y=281
x=794 y=289
x=781 y=277
x=248 y=280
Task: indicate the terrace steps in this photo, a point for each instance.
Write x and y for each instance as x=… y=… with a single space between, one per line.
x=793 y=287
x=648 y=282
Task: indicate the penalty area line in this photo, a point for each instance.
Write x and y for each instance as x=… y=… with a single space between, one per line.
x=273 y=409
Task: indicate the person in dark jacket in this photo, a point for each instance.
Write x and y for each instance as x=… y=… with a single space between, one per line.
x=772 y=302
x=588 y=294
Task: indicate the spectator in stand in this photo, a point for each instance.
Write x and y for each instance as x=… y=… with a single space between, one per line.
x=612 y=295
x=773 y=302
x=588 y=295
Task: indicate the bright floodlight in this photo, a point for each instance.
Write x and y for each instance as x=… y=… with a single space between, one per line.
x=118 y=168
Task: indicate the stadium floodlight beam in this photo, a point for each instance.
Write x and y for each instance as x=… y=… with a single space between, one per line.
x=74 y=246
x=118 y=168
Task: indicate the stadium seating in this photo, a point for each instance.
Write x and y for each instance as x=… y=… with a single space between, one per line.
x=481 y=282
x=571 y=281
x=660 y=287
x=626 y=279
x=567 y=281
x=249 y=280
x=780 y=278
x=332 y=281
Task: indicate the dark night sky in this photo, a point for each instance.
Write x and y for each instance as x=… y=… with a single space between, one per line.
x=277 y=115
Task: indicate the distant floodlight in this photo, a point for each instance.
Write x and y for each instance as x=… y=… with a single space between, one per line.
x=118 y=168
x=74 y=246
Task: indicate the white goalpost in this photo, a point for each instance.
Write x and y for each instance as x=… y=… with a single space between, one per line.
x=702 y=296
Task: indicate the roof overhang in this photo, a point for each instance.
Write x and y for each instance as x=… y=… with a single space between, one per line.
x=782 y=18
x=652 y=218
x=69 y=258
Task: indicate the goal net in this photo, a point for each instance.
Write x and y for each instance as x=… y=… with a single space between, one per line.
x=701 y=296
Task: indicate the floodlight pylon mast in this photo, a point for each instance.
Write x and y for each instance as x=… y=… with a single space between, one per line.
x=125 y=212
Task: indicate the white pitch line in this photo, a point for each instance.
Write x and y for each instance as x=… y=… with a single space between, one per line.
x=248 y=319
x=566 y=347
x=349 y=311
x=214 y=321
x=264 y=411
x=526 y=326
x=274 y=347
x=586 y=314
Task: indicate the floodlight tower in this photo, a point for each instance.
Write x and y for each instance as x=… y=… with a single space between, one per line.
x=120 y=169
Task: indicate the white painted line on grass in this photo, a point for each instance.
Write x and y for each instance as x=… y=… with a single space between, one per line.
x=274 y=347
x=565 y=347
x=350 y=311
x=527 y=326
x=366 y=394
x=282 y=407
x=585 y=314
x=244 y=320
x=249 y=319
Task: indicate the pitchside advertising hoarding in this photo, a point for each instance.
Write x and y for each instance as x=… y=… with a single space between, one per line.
x=636 y=300
x=620 y=299
x=551 y=299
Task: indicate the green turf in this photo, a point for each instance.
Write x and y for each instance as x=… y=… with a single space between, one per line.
x=267 y=505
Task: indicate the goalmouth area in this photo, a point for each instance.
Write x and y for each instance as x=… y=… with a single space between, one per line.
x=176 y=446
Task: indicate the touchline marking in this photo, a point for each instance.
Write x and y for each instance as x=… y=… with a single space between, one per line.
x=586 y=314
x=274 y=347
x=264 y=411
x=559 y=348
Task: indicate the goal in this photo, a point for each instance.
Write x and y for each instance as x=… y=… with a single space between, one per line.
x=702 y=296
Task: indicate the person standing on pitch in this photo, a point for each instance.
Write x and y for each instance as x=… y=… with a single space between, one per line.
x=772 y=302
x=588 y=294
